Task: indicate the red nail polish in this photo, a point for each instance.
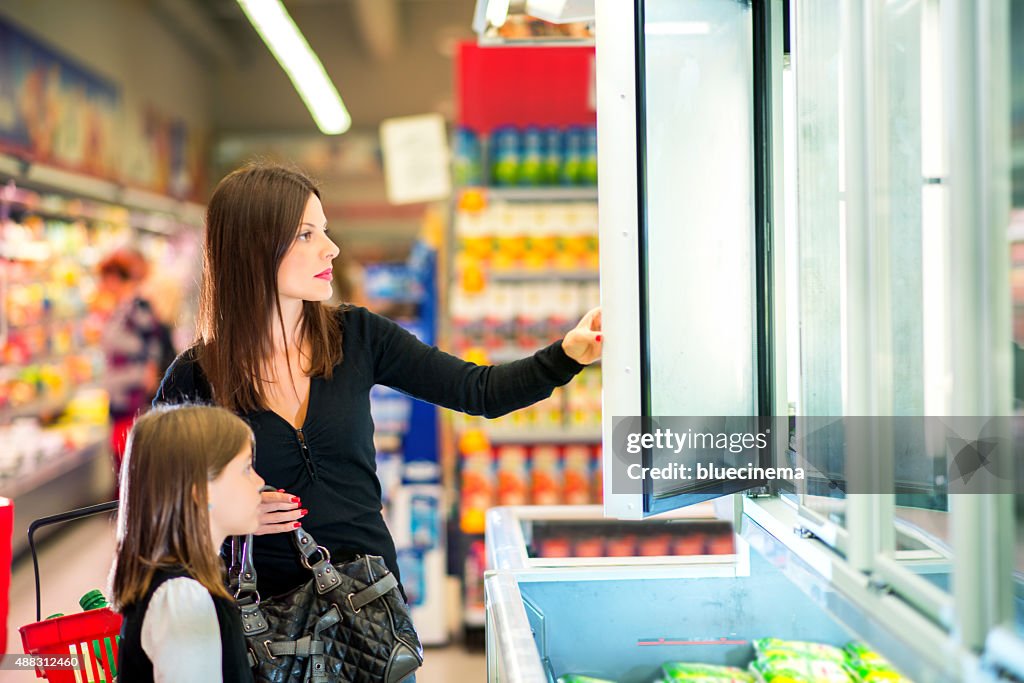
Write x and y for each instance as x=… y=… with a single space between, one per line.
x=298 y=525
x=280 y=490
x=598 y=337
x=295 y=499
x=304 y=512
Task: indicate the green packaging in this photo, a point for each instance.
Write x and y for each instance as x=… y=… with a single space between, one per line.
x=871 y=667
x=576 y=678
x=776 y=648
x=685 y=672
x=796 y=661
x=797 y=669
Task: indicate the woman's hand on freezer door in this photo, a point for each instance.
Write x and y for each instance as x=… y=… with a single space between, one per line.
x=583 y=342
x=279 y=512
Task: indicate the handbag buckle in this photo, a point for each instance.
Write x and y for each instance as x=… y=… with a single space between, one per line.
x=238 y=593
x=324 y=555
x=353 y=606
x=266 y=644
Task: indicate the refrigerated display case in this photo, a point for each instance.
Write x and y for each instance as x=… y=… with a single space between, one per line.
x=880 y=288
x=621 y=619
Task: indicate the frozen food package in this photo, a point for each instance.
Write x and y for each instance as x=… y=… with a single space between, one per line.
x=801 y=669
x=686 y=672
x=871 y=667
x=795 y=661
x=776 y=648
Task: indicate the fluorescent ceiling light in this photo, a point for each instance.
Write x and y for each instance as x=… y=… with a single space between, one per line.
x=497 y=12
x=678 y=28
x=289 y=47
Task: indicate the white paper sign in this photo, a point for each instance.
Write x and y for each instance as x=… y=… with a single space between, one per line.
x=416 y=158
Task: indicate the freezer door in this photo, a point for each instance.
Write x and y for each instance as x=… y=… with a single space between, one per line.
x=682 y=283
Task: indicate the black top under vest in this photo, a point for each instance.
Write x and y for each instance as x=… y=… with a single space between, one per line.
x=330 y=463
x=134 y=666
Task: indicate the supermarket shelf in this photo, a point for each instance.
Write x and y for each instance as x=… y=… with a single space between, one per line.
x=44 y=407
x=46 y=358
x=59 y=320
x=529 y=435
x=540 y=194
x=543 y=275
x=62 y=216
x=44 y=178
x=51 y=469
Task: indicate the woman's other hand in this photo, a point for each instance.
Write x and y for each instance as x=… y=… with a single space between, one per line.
x=583 y=342
x=279 y=512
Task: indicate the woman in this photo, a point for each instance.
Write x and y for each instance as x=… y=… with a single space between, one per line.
x=133 y=342
x=300 y=372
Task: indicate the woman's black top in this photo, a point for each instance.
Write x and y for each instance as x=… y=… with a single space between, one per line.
x=330 y=463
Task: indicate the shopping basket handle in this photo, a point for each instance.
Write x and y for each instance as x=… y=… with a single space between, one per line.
x=55 y=519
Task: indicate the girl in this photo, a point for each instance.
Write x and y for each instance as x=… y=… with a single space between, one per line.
x=186 y=485
x=300 y=371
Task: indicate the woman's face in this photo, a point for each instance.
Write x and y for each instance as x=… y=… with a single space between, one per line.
x=234 y=498
x=305 y=270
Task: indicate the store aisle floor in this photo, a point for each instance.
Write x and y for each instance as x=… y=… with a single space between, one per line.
x=79 y=561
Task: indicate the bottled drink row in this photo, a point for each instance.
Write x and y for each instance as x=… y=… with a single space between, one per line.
x=530 y=156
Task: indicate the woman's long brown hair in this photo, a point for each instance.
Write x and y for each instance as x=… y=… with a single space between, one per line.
x=251 y=222
x=163 y=519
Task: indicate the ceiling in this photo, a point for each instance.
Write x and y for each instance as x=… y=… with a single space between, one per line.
x=386 y=57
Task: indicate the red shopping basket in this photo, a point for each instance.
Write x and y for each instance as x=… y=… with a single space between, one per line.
x=90 y=636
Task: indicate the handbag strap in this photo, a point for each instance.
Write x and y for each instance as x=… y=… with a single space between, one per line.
x=376 y=589
x=242 y=574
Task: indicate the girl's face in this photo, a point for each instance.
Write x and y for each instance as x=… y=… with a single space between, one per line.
x=305 y=270
x=234 y=498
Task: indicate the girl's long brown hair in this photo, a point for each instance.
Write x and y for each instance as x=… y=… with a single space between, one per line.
x=251 y=222
x=163 y=519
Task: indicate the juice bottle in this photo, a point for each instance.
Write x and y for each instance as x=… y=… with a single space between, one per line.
x=573 y=159
x=551 y=168
x=532 y=159
x=506 y=155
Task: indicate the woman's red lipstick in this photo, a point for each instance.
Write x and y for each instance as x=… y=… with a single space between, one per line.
x=326 y=275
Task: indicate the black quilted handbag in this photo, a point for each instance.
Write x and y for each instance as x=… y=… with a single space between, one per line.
x=348 y=623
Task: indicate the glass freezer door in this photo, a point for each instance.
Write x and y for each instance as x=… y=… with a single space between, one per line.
x=680 y=218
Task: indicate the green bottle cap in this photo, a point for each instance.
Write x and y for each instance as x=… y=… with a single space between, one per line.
x=93 y=600
x=54 y=616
